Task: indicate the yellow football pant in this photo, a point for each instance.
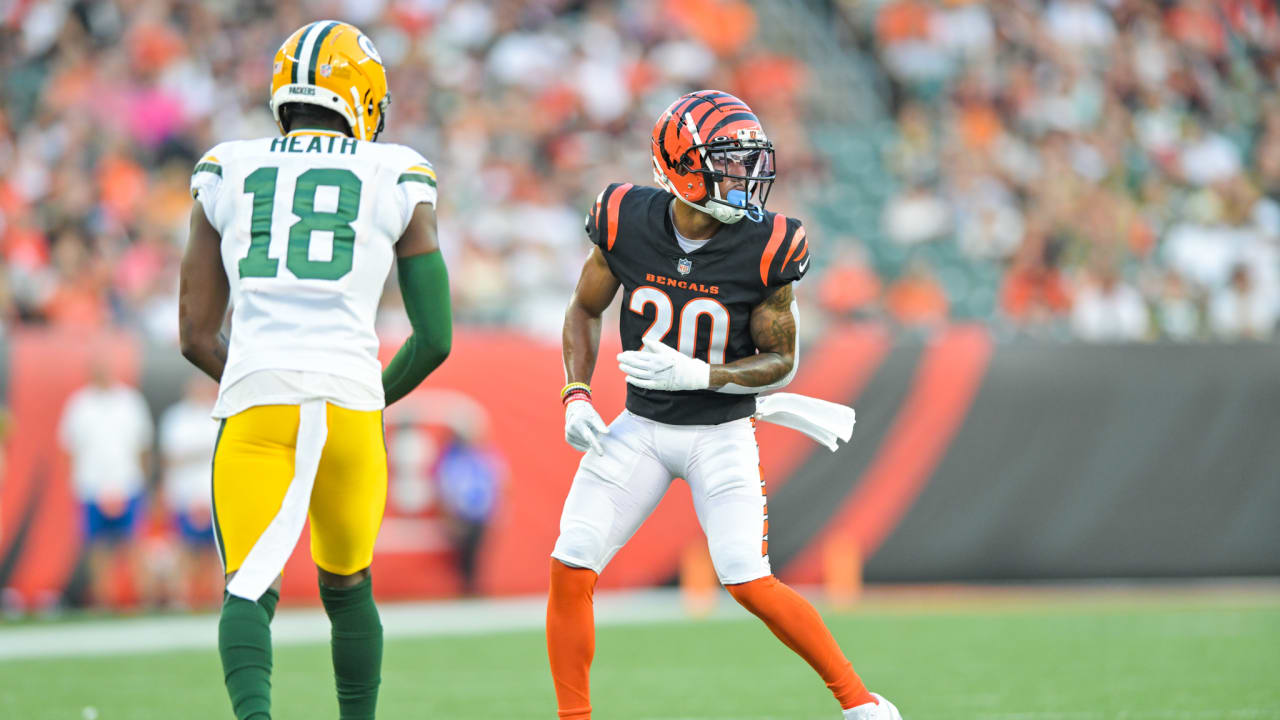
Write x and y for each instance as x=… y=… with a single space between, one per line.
x=253 y=464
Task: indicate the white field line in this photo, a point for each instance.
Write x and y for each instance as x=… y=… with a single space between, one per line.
x=1240 y=714
x=1243 y=714
x=126 y=636
x=292 y=627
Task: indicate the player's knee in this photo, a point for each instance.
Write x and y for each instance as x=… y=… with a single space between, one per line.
x=339 y=581
x=751 y=594
x=570 y=580
x=736 y=565
x=580 y=545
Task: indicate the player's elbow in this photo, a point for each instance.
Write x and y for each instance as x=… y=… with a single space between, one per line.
x=440 y=350
x=188 y=342
x=582 y=312
x=192 y=350
x=790 y=365
x=435 y=350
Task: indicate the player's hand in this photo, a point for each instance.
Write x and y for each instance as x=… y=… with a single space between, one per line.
x=583 y=426
x=661 y=367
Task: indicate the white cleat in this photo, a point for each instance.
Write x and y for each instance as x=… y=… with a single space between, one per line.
x=871 y=711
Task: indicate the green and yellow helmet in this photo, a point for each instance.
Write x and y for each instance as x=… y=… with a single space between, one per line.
x=333 y=65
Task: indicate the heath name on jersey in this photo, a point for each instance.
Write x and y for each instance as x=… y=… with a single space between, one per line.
x=309 y=223
x=699 y=301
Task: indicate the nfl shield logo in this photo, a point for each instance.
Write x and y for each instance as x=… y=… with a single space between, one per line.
x=326 y=70
x=684 y=266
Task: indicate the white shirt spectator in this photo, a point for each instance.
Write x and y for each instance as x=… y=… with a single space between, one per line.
x=187 y=437
x=1114 y=314
x=916 y=216
x=966 y=30
x=1243 y=309
x=1210 y=159
x=106 y=430
x=1080 y=23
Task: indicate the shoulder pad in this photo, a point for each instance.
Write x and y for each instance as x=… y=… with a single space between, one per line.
x=786 y=255
x=602 y=220
x=207 y=173
x=408 y=163
x=210 y=162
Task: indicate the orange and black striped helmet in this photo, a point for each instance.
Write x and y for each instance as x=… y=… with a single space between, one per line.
x=705 y=138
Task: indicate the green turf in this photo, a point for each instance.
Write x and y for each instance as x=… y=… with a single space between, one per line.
x=1128 y=661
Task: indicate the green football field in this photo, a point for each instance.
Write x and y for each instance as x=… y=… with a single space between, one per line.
x=1126 y=657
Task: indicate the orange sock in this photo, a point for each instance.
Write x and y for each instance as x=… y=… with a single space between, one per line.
x=799 y=626
x=571 y=638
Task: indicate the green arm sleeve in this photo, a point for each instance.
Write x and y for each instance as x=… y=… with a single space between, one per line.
x=424 y=284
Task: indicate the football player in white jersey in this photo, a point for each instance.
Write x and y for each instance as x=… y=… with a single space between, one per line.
x=300 y=232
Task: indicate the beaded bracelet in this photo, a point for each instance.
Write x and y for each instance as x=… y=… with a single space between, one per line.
x=575 y=391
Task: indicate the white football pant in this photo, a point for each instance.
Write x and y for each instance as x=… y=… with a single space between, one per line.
x=613 y=493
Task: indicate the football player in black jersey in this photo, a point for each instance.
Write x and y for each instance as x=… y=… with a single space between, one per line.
x=708 y=321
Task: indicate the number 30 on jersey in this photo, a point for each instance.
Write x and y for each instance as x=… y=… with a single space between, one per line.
x=690 y=314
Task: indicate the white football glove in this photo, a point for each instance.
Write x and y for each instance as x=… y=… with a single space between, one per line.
x=661 y=367
x=583 y=426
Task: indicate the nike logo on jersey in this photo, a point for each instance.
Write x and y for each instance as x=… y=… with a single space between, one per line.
x=804 y=265
x=682 y=284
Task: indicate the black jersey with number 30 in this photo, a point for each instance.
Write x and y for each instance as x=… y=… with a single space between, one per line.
x=698 y=302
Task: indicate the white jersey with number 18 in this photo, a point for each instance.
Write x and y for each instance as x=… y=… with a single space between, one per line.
x=309 y=223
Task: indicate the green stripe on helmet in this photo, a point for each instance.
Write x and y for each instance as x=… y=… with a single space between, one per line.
x=297 y=51
x=315 y=51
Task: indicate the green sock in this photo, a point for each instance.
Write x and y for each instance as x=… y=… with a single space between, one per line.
x=357 y=648
x=244 y=641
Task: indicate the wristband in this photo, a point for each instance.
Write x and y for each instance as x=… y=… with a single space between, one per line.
x=576 y=395
x=574 y=387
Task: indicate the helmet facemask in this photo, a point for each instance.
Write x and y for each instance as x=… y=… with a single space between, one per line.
x=747 y=157
x=748 y=161
x=382 y=115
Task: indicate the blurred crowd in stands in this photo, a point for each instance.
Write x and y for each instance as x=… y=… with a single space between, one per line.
x=1116 y=163
x=1118 y=160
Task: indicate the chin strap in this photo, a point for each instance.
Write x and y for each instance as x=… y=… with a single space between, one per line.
x=718 y=209
x=724 y=213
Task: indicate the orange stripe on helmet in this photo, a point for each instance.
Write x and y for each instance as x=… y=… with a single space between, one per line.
x=770 y=250
x=615 y=202
x=797 y=241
